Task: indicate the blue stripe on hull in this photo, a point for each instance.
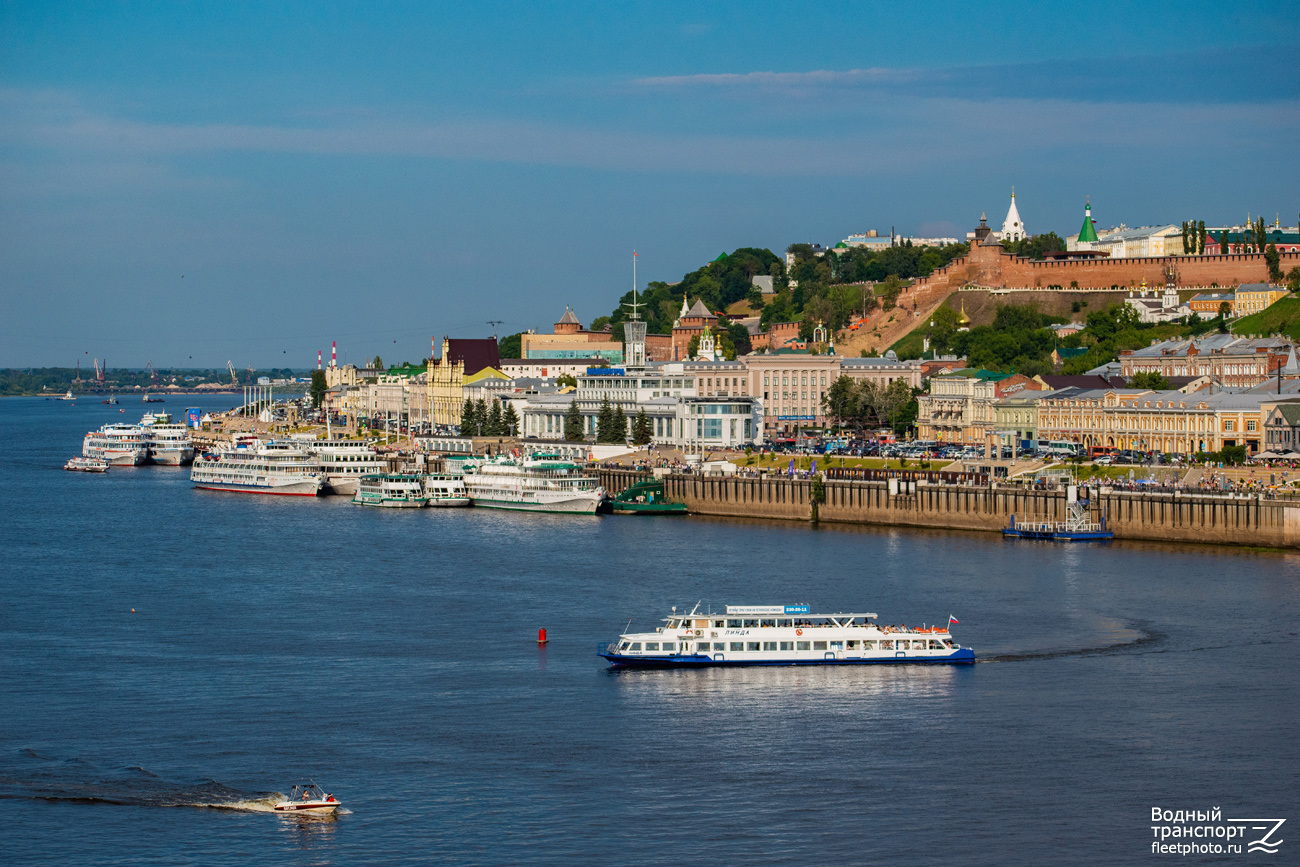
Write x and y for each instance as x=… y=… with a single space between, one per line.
x=965 y=656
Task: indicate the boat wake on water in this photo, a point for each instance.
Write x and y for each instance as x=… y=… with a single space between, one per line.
x=41 y=778
x=1147 y=639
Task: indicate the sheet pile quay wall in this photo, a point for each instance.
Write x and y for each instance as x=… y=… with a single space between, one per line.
x=1157 y=517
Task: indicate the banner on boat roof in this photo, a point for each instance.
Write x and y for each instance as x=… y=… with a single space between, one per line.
x=767 y=609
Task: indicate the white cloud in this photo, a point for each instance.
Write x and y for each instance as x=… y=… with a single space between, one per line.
x=875 y=136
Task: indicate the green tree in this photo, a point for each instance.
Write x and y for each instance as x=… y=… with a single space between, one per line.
x=604 y=421
x=739 y=337
x=1293 y=279
x=573 y=424
x=318 y=388
x=843 y=400
x=377 y=363
x=1151 y=379
x=642 y=431
x=510 y=420
x=1187 y=248
x=619 y=432
x=481 y=416
x=511 y=346
x=495 y=426
x=469 y=422
x=944 y=325
x=889 y=291
x=1200 y=237
x=566 y=380
x=1274 y=260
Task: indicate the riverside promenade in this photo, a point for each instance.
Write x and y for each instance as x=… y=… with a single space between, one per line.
x=1239 y=519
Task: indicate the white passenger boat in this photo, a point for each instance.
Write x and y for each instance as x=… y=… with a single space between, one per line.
x=262 y=468
x=542 y=483
x=87 y=465
x=122 y=445
x=169 y=443
x=344 y=462
x=782 y=635
x=445 y=490
x=308 y=798
x=391 y=490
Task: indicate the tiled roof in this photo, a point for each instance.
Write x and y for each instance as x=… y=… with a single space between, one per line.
x=698 y=310
x=476 y=353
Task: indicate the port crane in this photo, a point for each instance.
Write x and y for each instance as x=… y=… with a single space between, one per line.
x=234 y=380
x=99 y=371
x=153 y=374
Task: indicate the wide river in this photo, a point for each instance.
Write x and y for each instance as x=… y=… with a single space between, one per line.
x=171 y=658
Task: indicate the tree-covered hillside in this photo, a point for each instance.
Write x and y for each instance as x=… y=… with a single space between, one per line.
x=828 y=287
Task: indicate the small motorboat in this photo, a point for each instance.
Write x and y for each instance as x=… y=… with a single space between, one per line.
x=87 y=465
x=308 y=798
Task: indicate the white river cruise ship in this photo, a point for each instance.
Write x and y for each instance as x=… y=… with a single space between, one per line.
x=541 y=483
x=782 y=635
x=344 y=462
x=122 y=445
x=392 y=491
x=262 y=468
x=169 y=443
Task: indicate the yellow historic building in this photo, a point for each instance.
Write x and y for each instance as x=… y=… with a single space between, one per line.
x=1163 y=421
x=461 y=359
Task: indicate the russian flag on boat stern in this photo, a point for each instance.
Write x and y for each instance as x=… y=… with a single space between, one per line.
x=952 y=619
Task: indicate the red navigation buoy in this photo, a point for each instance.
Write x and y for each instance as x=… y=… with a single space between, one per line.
x=541 y=636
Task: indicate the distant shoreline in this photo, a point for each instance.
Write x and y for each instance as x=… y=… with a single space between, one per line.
x=138 y=394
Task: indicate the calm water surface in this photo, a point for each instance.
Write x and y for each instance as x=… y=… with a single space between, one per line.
x=391 y=655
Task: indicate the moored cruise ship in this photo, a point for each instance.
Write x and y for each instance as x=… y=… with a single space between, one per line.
x=391 y=490
x=169 y=443
x=262 y=468
x=542 y=483
x=122 y=445
x=782 y=635
x=344 y=462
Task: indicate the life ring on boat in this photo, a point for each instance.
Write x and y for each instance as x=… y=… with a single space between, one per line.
x=798 y=632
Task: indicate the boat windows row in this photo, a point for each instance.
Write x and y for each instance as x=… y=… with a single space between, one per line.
x=767 y=646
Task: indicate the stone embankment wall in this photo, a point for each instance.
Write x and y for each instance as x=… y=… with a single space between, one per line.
x=616 y=481
x=1159 y=517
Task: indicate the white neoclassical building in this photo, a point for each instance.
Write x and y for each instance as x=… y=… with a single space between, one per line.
x=684 y=406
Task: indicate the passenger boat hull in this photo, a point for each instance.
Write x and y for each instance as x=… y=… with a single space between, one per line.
x=963 y=656
x=293 y=489
x=173 y=457
x=585 y=505
x=448 y=502
x=390 y=503
x=124 y=459
x=343 y=485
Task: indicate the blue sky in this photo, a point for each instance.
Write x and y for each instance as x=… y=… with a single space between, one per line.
x=190 y=182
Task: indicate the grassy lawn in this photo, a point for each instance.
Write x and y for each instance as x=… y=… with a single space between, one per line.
x=1283 y=317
